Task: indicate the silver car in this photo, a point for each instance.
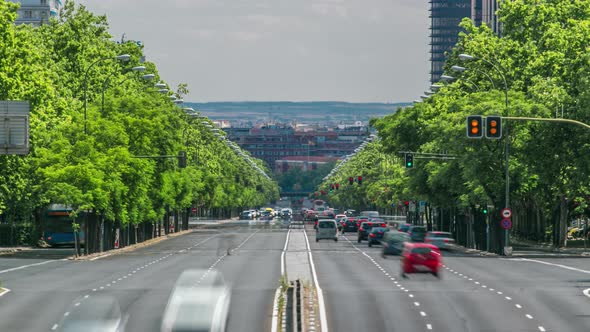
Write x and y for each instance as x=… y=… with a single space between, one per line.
x=199 y=302
x=442 y=240
x=327 y=229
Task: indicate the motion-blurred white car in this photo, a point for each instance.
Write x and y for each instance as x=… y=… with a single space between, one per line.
x=199 y=302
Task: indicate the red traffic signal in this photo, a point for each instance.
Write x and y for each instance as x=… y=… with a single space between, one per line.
x=350 y=180
x=337 y=186
x=360 y=180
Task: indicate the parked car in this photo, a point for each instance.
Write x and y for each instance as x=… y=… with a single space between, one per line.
x=393 y=243
x=365 y=228
x=417 y=233
x=376 y=235
x=442 y=240
x=420 y=258
x=327 y=229
x=349 y=225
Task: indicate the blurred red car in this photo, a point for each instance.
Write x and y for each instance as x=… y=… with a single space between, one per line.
x=420 y=258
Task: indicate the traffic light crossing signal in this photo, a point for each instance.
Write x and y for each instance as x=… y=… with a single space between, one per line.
x=351 y=180
x=474 y=126
x=360 y=180
x=409 y=160
x=494 y=127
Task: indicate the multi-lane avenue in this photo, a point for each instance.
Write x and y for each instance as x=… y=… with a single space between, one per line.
x=362 y=290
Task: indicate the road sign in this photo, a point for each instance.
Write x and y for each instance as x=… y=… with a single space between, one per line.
x=14 y=127
x=506 y=223
x=194 y=210
x=506 y=213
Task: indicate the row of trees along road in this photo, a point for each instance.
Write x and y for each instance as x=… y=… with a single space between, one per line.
x=544 y=55
x=98 y=172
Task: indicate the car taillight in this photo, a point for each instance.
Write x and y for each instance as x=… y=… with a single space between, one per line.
x=446 y=240
x=370 y=224
x=383 y=225
x=49 y=238
x=372 y=235
x=361 y=229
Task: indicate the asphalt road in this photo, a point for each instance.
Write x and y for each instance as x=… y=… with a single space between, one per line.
x=363 y=292
x=141 y=281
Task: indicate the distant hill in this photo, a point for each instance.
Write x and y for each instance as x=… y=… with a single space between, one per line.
x=307 y=112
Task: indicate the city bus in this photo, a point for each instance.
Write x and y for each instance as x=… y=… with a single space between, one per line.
x=56 y=226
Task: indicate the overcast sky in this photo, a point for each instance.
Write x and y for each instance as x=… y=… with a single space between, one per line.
x=288 y=50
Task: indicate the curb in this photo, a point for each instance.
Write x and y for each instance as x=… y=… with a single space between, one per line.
x=95 y=256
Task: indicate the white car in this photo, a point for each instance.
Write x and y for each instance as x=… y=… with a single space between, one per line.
x=199 y=302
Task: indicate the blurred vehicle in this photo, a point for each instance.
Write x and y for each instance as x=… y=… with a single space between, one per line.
x=393 y=243
x=327 y=229
x=370 y=214
x=98 y=313
x=359 y=220
x=286 y=213
x=350 y=213
x=417 y=233
x=349 y=225
x=376 y=235
x=309 y=214
x=420 y=258
x=248 y=214
x=365 y=229
x=327 y=214
x=199 y=302
x=57 y=227
x=404 y=227
x=442 y=240
x=340 y=221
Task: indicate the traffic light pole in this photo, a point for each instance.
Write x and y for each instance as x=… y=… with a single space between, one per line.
x=507 y=147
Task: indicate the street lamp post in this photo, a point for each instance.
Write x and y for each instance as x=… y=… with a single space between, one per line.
x=123 y=57
x=108 y=79
x=467 y=57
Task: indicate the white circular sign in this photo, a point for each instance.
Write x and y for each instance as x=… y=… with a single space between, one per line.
x=506 y=213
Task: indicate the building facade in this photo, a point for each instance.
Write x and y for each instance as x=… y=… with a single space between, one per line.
x=37 y=12
x=272 y=143
x=445 y=16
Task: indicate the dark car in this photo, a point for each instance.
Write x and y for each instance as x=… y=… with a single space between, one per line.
x=365 y=228
x=376 y=235
x=404 y=227
x=417 y=233
x=393 y=243
x=349 y=225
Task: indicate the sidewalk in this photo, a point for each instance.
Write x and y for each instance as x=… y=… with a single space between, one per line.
x=11 y=250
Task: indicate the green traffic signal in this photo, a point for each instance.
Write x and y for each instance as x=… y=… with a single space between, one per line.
x=409 y=160
x=485 y=211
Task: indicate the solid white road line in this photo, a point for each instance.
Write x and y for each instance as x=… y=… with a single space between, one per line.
x=321 y=304
x=31 y=265
x=551 y=264
x=275 y=310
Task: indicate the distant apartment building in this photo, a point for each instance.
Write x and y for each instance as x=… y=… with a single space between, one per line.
x=445 y=16
x=37 y=12
x=272 y=143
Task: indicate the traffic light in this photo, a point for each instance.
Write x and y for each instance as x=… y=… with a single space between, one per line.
x=331 y=187
x=360 y=180
x=485 y=210
x=350 y=180
x=474 y=126
x=494 y=127
x=409 y=160
x=337 y=186
x=182 y=159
